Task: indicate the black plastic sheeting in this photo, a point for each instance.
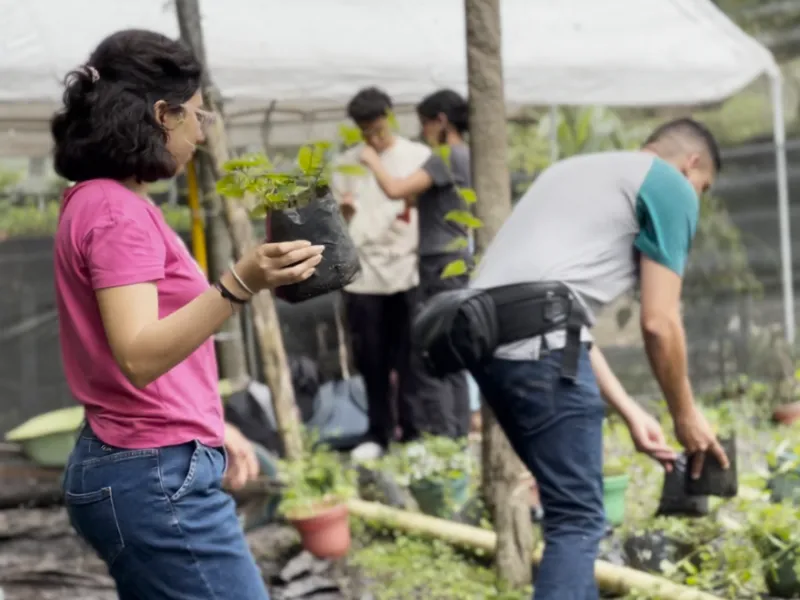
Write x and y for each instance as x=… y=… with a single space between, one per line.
x=31 y=377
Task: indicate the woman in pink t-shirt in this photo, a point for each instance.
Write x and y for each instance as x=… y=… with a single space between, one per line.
x=144 y=483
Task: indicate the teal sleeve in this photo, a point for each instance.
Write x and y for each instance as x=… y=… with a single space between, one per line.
x=667 y=209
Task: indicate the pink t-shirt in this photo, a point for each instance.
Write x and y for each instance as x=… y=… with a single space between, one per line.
x=108 y=237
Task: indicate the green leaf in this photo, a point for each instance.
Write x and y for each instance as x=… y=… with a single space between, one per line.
x=259 y=211
x=443 y=152
x=455 y=268
x=583 y=127
x=299 y=190
x=459 y=243
x=310 y=159
x=350 y=136
x=248 y=161
x=228 y=188
x=465 y=218
x=468 y=195
x=391 y=119
x=354 y=170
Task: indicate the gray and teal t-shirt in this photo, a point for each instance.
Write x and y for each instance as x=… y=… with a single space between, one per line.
x=584 y=222
x=436 y=233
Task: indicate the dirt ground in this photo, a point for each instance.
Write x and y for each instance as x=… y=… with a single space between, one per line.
x=42 y=559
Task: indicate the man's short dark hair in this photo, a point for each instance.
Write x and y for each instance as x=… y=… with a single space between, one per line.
x=449 y=103
x=368 y=105
x=689 y=130
x=107 y=127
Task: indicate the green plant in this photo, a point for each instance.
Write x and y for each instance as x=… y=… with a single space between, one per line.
x=407 y=567
x=463 y=217
x=433 y=458
x=255 y=177
x=316 y=481
x=775 y=531
x=28 y=219
x=178 y=218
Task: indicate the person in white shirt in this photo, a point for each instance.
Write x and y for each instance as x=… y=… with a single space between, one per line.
x=380 y=303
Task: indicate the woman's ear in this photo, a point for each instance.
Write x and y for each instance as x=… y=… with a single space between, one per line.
x=160 y=111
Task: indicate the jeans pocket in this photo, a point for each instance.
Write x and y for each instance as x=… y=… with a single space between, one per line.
x=94 y=517
x=179 y=466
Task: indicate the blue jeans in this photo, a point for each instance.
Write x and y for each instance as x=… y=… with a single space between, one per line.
x=161 y=521
x=556 y=428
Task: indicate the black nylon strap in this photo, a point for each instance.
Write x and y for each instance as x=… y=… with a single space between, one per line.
x=533 y=309
x=228 y=295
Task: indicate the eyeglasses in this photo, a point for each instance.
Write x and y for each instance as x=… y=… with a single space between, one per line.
x=204 y=118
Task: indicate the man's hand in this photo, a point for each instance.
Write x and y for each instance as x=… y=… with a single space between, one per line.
x=242 y=462
x=696 y=436
x=369 y=156
x=648 y=437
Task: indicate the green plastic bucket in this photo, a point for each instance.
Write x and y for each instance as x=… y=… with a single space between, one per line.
x=614 y=488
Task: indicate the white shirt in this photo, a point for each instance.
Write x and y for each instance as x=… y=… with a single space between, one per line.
x=387 y=246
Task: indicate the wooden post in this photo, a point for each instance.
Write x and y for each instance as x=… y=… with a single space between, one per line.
x=504 y=487
x=265 y=317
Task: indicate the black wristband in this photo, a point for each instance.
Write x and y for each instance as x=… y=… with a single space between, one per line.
x=227 y=294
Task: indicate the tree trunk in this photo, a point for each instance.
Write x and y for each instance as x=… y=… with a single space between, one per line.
x=265 y=317
x=503 y=489
x=229 y=340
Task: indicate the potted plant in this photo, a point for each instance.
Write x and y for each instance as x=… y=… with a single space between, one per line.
x=775 y=530
x=615 y=484
x=314 y=500
x=437 y=471
x=297 y=204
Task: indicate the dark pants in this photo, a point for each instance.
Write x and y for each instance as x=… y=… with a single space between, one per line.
x=440 y=405
x=380 y=328
x=160 y=520
x=556 y=428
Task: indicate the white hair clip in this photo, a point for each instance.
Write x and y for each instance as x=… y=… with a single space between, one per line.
x=93 y=73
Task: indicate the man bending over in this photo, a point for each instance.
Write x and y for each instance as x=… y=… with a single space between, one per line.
x=600 y=224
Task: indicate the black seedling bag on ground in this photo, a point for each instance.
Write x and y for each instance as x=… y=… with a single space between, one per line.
x=319 y=222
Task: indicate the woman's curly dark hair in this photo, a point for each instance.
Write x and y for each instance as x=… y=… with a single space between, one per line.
x=449 y=103
x=107 y=127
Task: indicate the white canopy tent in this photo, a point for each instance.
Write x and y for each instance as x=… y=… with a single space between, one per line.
x=306 y=58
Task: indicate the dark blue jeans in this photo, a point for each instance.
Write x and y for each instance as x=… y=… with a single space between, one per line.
x=161 y=521
x=556 y=428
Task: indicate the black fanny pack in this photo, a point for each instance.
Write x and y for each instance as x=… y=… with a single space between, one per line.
x=460 y=329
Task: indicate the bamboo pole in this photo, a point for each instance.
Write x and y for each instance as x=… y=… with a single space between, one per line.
x=610 y=578
x=198 y=230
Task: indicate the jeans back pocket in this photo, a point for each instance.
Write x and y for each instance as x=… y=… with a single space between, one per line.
x=94 y=517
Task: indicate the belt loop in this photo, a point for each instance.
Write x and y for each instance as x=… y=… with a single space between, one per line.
x=572 y=347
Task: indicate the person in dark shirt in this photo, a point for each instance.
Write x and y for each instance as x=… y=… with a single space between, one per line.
x=442 y=404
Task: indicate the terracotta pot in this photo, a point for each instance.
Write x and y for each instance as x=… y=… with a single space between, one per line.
x=326 y=534
x=787 y=414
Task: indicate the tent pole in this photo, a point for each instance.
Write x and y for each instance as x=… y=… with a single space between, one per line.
x=554 y=149
x=779 y=131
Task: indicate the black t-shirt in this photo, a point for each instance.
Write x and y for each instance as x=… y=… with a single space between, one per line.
x=435 y=232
